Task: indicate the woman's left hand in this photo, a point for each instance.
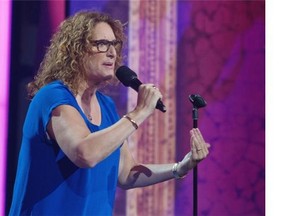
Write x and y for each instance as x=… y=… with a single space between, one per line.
x=199 y=151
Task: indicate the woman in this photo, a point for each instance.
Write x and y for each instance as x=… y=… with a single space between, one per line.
x=74 y=149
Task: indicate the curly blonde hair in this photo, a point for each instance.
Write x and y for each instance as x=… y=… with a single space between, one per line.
x=64 y=59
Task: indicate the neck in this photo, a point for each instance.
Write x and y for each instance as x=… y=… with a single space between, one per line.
x=86 y=92
x=85 y=97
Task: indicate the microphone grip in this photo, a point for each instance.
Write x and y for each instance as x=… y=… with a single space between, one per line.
x=160 y=106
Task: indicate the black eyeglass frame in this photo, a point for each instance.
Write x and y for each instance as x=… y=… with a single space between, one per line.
x=106 y=43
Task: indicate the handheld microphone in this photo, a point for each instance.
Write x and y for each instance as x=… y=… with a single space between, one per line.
x=129 y=79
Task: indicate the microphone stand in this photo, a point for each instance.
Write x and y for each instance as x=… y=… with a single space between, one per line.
x=197 y=102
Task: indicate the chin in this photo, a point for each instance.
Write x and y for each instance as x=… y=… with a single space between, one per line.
x=109 y=77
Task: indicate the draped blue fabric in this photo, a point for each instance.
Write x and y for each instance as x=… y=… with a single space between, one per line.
x=47 y=182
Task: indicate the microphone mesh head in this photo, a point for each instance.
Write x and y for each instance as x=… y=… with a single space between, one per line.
x=125 y=75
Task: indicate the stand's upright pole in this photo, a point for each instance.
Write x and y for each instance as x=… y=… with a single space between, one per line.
x=197 y=102
x=195 y=169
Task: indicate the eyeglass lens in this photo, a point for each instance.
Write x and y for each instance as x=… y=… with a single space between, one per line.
x=104 y=45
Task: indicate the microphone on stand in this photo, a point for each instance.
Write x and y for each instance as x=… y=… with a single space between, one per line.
x=129 y=79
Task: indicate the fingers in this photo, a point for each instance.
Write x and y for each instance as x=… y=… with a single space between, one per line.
x=157 y=91
x=151 y=91
x=199 y=147
x=148 y=95
x=151 y=88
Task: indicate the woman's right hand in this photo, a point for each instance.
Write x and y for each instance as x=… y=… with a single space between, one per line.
x=148 y=95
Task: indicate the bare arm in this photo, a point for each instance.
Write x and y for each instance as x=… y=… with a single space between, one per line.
x=134 y=175
x=86 y=149
x=82 y=147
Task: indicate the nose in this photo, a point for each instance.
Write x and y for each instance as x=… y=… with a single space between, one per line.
x=111 y=53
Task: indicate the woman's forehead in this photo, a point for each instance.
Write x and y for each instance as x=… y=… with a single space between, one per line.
x=103 y=30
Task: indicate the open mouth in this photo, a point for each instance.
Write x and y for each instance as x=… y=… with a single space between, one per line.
x=108 y=64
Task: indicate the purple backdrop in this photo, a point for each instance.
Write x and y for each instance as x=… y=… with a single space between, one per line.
x=221 y=56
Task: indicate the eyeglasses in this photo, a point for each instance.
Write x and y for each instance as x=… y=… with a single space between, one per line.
x=104 y=45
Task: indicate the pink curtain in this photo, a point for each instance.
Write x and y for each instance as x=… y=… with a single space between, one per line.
x=152 y=53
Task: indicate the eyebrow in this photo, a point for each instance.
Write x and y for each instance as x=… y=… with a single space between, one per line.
x=105 y=40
